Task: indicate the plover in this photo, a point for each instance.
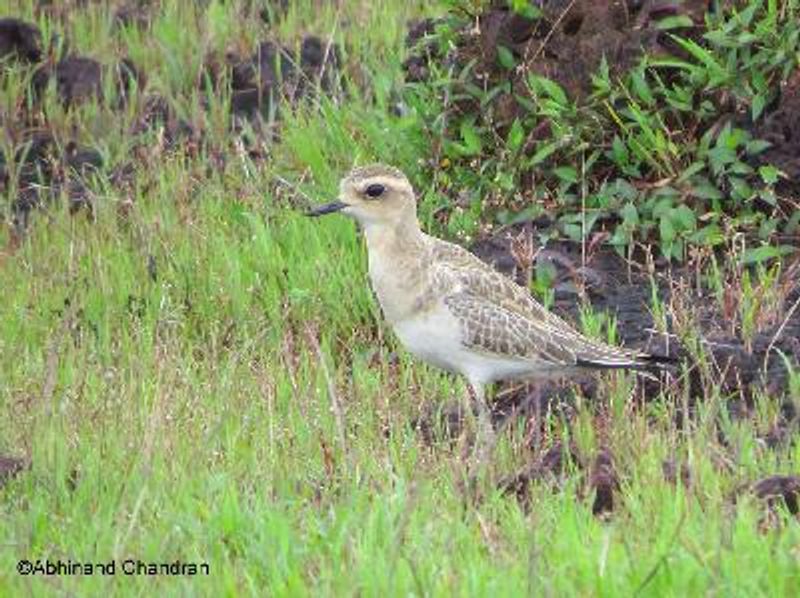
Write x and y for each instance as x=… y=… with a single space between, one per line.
x=454 y=311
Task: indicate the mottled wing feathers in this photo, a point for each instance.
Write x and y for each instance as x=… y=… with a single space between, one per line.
x=458 y=267
x=500 y=317
x=494 y=329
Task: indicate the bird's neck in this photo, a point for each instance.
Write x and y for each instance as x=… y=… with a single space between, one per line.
x=397 y=266
x=394 y=240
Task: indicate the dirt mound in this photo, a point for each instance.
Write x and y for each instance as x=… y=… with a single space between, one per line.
x=20 y=40
x=604 y=482
x=79 y=79
x=44 y=170
x=158 y=113
x=552 y=467
x=570 y=39
x=10 y=467
x=133 y=13
x=273 y=72
x=563 y=40
x=779 y=489
x=781 y=128
x=601 y=481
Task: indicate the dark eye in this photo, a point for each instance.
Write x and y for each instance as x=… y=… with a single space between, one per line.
x=375 y=190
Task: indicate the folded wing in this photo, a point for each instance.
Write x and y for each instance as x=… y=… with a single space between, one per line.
x=502 y=318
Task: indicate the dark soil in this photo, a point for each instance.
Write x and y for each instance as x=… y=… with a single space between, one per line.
x=134 y=13
x=440 y=422
x=609 y=283
x=20 y=40
x=158 y=114
x=566 y=45
x=781 y=127
x=423 y=49
x=10 y=467
x=45 y=169
x=604 y=482
x=569 y=42
x=80 y=78
x=676 y=473
x=272 y=73
x=785 y=429
x=552 y=466
x=779 y=491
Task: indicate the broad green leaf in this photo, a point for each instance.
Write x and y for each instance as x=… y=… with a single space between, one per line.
x=691 y=170
x=666 y=229
x=544 y=152
x=630 y=215
x=619 y=151
x=573 y=231
x=740 y=167
x=516 y=136
x=684 y=216
x=705 y=189
x=769 y=174
x=621 y=236
x=758 y=105
x=708 y=235
x=549 y=88
x=506 y=58
x=641 y=87
x=471 y=138
x=718 y=73
x=566 y=173
x=756 y=146
x=765 y=252
x=674 y=22
x=740 y=189
x=625 y=190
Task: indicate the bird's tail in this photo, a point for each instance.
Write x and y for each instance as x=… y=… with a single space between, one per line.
x=636 y=362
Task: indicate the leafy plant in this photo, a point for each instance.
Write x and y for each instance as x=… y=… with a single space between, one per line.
x=661 y=154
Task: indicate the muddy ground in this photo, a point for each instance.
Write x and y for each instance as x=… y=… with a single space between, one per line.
x=43 y=168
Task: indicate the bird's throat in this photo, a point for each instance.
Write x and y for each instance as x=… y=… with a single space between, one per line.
x=397 y=267
x=394 y=240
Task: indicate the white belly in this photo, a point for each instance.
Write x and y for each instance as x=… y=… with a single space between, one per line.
x=435 y=337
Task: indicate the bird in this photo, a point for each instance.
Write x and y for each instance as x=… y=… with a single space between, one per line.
x=452 y=310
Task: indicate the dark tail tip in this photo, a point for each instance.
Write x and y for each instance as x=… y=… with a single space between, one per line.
x=660 y=360
x=643 y=362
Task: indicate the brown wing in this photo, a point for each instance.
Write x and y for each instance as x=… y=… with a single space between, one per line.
x=487 y=302
x=494 y=329
x=463 y=269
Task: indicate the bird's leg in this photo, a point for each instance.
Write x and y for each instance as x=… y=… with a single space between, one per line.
x=485 y=442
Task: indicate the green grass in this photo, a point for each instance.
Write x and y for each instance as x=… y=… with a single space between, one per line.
x=168 y=370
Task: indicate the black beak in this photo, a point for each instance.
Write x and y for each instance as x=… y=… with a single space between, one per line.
x=328 y=208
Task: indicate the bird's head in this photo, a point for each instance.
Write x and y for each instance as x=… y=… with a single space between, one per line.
x=373 y=195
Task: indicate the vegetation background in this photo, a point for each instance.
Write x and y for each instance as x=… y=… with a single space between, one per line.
x=192 y=371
